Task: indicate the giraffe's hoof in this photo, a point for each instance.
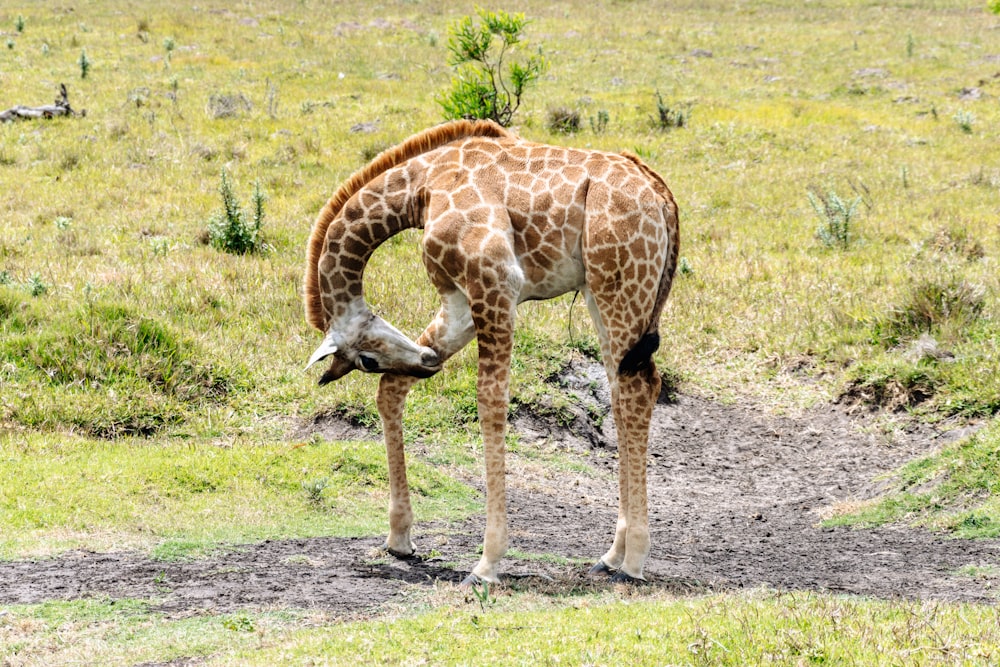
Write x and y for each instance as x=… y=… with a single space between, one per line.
x=600 y=569
x=620 y=577
x=470 y=581
x=401 y=555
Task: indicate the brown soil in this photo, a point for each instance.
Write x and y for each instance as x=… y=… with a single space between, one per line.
x=735 y=498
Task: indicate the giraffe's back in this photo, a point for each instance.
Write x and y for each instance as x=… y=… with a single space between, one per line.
x=544 y=193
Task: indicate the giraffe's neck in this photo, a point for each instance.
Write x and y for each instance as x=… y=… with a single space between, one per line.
x=379 y=211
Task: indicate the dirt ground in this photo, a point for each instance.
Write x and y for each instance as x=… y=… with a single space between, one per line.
x=735 y=498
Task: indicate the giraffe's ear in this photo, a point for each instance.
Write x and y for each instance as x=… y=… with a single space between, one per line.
x=326 y=348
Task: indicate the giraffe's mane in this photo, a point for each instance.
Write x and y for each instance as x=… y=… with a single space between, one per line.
x=418 y=144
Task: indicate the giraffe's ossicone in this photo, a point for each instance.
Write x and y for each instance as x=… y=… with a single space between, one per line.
x=504 y=220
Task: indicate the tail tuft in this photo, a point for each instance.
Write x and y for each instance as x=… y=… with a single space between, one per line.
x=640 y=356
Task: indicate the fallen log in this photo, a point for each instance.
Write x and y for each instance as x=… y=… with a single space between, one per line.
x=60 y=107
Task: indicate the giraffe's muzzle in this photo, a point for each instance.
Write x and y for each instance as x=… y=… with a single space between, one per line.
x=377 y=348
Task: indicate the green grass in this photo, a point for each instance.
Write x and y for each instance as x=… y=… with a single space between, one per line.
x=955 y=490
x=756 y=627
x=148 y=382
x=119 y=632
x=175 y=498
x=753 y=628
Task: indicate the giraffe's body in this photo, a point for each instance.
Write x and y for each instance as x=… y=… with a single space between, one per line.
x=504 y=221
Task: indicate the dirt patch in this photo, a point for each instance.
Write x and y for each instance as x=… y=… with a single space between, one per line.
x=735 y=499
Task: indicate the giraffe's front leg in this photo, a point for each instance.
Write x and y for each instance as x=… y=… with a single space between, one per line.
x=493 y=401
x=391 y=399
x=448 y=333
x=494 y=328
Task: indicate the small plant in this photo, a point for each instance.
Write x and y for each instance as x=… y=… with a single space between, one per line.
x=668 y=117
x=5 y=278
x=481 y=592
x=19 y=23
x=84 y=62
x=599 y=125
x=36 y=286
x=909 y=45
x=487 y=83
x=239 y=623
x=272 y=99
x=371 y=151
x=836 y=217
x=160 y=247
x=684 y=267
x=63 y=222
x=314 y=489
x=646 y=154
x=234 y=230
x=169 y=45
x=994 y=6
x=564 y=121
x=965 y=119
x=10 y=43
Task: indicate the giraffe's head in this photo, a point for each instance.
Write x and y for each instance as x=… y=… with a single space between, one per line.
x=370 y=344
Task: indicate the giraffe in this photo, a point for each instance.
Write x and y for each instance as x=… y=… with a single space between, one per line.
x=504 y=220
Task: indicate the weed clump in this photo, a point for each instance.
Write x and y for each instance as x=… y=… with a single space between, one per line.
x=563 y=121
x=235 y=230
x=930 y=304
x=957 y=241
x=891 y=389
x=228 y=106
x=965 y=119
x=599 y=123
x=84 y=63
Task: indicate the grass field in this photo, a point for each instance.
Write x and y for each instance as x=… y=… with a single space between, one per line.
x=149 y=383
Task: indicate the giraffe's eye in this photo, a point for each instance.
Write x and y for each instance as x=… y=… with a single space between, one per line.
x=368 y=363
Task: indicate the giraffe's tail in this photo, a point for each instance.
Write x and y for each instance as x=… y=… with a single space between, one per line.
x=641 y=354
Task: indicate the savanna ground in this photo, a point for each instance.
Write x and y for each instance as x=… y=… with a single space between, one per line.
x=823 y=466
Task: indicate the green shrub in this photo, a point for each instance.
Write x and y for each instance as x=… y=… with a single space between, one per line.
x=668 y=117
x=836 y=217
x=234 y=230
x=599 y=124
x=488 y=84
x=84 y=63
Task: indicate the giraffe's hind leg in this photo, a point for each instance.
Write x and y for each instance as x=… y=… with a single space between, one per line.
x=626 y=251
x=633 y=395
x=637 y=393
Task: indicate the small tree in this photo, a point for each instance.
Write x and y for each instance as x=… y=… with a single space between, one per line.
x=488 y=84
